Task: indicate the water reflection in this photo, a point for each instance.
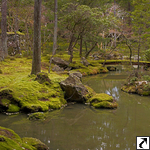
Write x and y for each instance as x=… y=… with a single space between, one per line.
x=80 y=127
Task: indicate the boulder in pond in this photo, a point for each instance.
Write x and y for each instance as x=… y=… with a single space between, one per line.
x=103 y=100
x=74 y=89
x=60 y=62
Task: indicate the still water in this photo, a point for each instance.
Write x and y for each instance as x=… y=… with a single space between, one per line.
x=80 y=127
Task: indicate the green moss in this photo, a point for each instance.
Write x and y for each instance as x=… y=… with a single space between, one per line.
x=9 y=140
x=35 y=143
x=101 y=97
x=10 y=134
x=13 y=33
x=5 y=102
x=31 y=96
x=1 y=71
x=103 y=100
x=13 y=108
x=37 y=116
x=105 y=104
x=91 y=92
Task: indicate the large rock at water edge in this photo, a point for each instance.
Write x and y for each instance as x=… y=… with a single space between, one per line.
x=74 y=89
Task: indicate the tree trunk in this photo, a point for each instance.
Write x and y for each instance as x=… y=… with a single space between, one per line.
x=139 y=45
x=3 y=49
x=87 y=54
x=81 y=45
x=70 y=44
x=55 y=29
x=36 y=61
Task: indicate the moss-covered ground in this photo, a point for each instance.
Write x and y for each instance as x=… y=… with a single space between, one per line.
x=9 y=140
x=19 y=91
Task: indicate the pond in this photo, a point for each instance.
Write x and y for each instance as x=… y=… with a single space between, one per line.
x=80 y=127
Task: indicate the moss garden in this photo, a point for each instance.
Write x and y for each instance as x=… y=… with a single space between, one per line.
x=22 y=92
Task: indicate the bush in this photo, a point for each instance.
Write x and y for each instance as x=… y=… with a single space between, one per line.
x=147 y=55
x=133 y=79
x=146 y=77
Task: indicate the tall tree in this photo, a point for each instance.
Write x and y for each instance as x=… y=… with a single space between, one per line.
x=55 y=33
x=3 y=49
x=55 y=29
x=36 y=61
x=140 y=22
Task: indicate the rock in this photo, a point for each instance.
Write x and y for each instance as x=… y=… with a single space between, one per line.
x=10 y=140
x=74 y=89
x=111 y=68
x=78 y=74
x=103 y=100
x=68 y=68
x=60 y=62
x=85 y=62
x=43 y=78
x=56 y=68
x=37 y=116
x=35 y=143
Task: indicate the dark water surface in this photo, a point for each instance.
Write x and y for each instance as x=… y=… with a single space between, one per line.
x=79 y=127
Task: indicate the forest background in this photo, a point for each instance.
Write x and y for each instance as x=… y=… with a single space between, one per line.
x=82 y=27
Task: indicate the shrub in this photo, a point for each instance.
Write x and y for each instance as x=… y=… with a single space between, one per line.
x=147 y=55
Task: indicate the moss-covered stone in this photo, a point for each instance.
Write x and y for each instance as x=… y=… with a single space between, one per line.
x=9 y=140
x=90 y=93
x=101 y=97
x=103 y=100
x=13 y=108
x=35 y=143
x=139 y=87
x=105 y=104
x=37 y=116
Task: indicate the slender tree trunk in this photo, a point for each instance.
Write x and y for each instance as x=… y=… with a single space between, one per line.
x=139 y=45
x=70 y=44
x=36 y=61
x=3 y=48
x=112 y=49
x=85 y=47
x=87 y=54
x=55 y=29
x=81 y=46
x=129 y=10
x=115 y=29
x=55 y=35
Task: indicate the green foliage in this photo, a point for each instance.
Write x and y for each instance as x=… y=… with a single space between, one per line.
x=146 y=78
x=147 y=55
x=133 y=79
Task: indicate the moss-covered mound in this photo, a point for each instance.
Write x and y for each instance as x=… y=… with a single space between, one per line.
x=9 y=140
x=103 y=100
x=37 y=116
x=28 y=95
x=138 y=87
x=91 y=69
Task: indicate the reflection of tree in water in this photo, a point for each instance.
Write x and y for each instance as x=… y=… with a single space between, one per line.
x=111 y=89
